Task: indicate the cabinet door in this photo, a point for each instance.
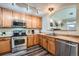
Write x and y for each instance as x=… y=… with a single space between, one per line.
x=7 y=18
x=30 y=41
x=34 y=22
x=16 y=16
x=51 y=46
x=5 y=46
x=39 y=22
x=22 y=16
x=45 y=42
x=36 y=40
x=40 y=40
x=1 y=17
x=28 y=21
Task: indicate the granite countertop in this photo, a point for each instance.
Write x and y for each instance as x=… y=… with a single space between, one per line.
x=63 y=37
x=5 y=36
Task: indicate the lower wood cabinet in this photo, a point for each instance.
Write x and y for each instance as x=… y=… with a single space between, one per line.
x=5 y=45
x=40 y=40
x=51 y=45
x=29 y=40
x=45 y=42
x=36 y=39
x=32 y=40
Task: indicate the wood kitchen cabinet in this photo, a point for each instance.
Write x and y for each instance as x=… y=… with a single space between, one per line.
x=39 y=22
x=7 y=18
x=22 y=17
x=1 y=17
x=51 y=45
x=16 y=15
x=36 y=39
x=5 y=45
x=34 y=22
x=28 y=19
x=30 y=40
x=40 y=40
x=45 y=42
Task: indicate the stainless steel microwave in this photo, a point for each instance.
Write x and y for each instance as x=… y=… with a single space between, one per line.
x=18 y=24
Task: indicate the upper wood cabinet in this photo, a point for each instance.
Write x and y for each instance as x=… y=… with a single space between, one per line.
x=22 y=16
x=1 y=17
x=34 y=22
x=39 y=22
x=16 y=16
x=7 y=18
x=28 y=19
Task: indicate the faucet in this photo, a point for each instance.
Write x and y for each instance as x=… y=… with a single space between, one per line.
x=53 y=32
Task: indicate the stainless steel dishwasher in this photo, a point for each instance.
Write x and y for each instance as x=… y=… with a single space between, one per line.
x=66 y=48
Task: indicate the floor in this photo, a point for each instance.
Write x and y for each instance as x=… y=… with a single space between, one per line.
x=32 y=51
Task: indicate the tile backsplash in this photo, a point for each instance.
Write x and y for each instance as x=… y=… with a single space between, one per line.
x=9 y=32
x=5 y=32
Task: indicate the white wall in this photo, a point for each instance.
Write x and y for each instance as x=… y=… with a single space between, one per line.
x=44 y=24
x=58 y=16
x=64 y=14
x=78 y=17
x=46 y=21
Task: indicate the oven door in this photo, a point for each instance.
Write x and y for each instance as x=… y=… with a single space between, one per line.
x=18 y=42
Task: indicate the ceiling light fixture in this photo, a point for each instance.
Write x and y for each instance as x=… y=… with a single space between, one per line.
x=13 y=4
x=50 y=9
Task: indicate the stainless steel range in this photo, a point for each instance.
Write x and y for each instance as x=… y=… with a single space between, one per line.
x=19 y=40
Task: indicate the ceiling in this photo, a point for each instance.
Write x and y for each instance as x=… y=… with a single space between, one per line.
x=42 y=7
x=65 y=14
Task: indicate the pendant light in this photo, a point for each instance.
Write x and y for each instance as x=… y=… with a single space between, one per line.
x=50 y=10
